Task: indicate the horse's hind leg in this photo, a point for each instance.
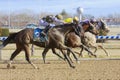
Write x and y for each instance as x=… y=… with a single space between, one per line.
x=14 y=54
x=27 y=55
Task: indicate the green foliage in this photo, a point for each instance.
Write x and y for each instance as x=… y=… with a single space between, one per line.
x=4 y=31
x=64 y=12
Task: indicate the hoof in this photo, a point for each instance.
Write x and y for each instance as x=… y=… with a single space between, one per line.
x=108 y=55
x=47 y=63
x=13 y=67
x=95 y=56
x=35 y=67
x=91 y=56
x=8 y=66
x=73 y=67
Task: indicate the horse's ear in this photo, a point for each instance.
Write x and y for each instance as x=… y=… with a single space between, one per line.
x=90 y=23
x=102 y=21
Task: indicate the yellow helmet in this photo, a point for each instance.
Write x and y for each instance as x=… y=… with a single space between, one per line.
x=59 y=17
x=68 y=20
x=75 y=19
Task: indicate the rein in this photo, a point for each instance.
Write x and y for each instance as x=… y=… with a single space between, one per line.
x=90 y=29
x=77 y=29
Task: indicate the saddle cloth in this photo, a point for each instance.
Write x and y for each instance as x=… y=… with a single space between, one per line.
x=37 y=35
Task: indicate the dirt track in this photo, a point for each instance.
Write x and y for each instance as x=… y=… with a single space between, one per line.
x=59 y=70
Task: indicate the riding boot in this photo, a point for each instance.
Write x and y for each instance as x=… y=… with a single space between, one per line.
x=43 y=33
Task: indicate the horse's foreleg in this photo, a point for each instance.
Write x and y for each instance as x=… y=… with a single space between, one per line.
x=107 y=53
x=68 y=53
x=89 y=54
x=54 y=52
x=88 y=50
x=63 y=47
x=96 y=48
x=44 y=53
x=27 y=55
x=68 y=59
x=14 y=54
x=81 y=51
x=69 y=50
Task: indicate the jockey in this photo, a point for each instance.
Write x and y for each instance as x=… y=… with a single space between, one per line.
x=71 y=20
x=49 y=22
x=85 y=24
x=95 y=22
x=68 y=20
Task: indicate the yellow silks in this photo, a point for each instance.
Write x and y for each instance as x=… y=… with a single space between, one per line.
x=68 y=20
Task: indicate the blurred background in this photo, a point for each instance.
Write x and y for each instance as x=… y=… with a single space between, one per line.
x=16 y=14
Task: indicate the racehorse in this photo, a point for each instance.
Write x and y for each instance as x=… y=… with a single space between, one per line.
x=90 y=38
x=72 y=40
x=56 y=38
x=102 y=26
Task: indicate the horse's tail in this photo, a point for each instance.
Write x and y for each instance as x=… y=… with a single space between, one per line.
x=9 y=39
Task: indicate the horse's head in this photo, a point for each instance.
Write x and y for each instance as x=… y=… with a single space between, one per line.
x=78 y=29
x=102 y=26
x=87 y=26
x=92 y=29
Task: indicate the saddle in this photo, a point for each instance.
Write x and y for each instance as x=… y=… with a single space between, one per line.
x=38 y=35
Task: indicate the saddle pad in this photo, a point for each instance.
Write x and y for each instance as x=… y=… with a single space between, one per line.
x=37 y=35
